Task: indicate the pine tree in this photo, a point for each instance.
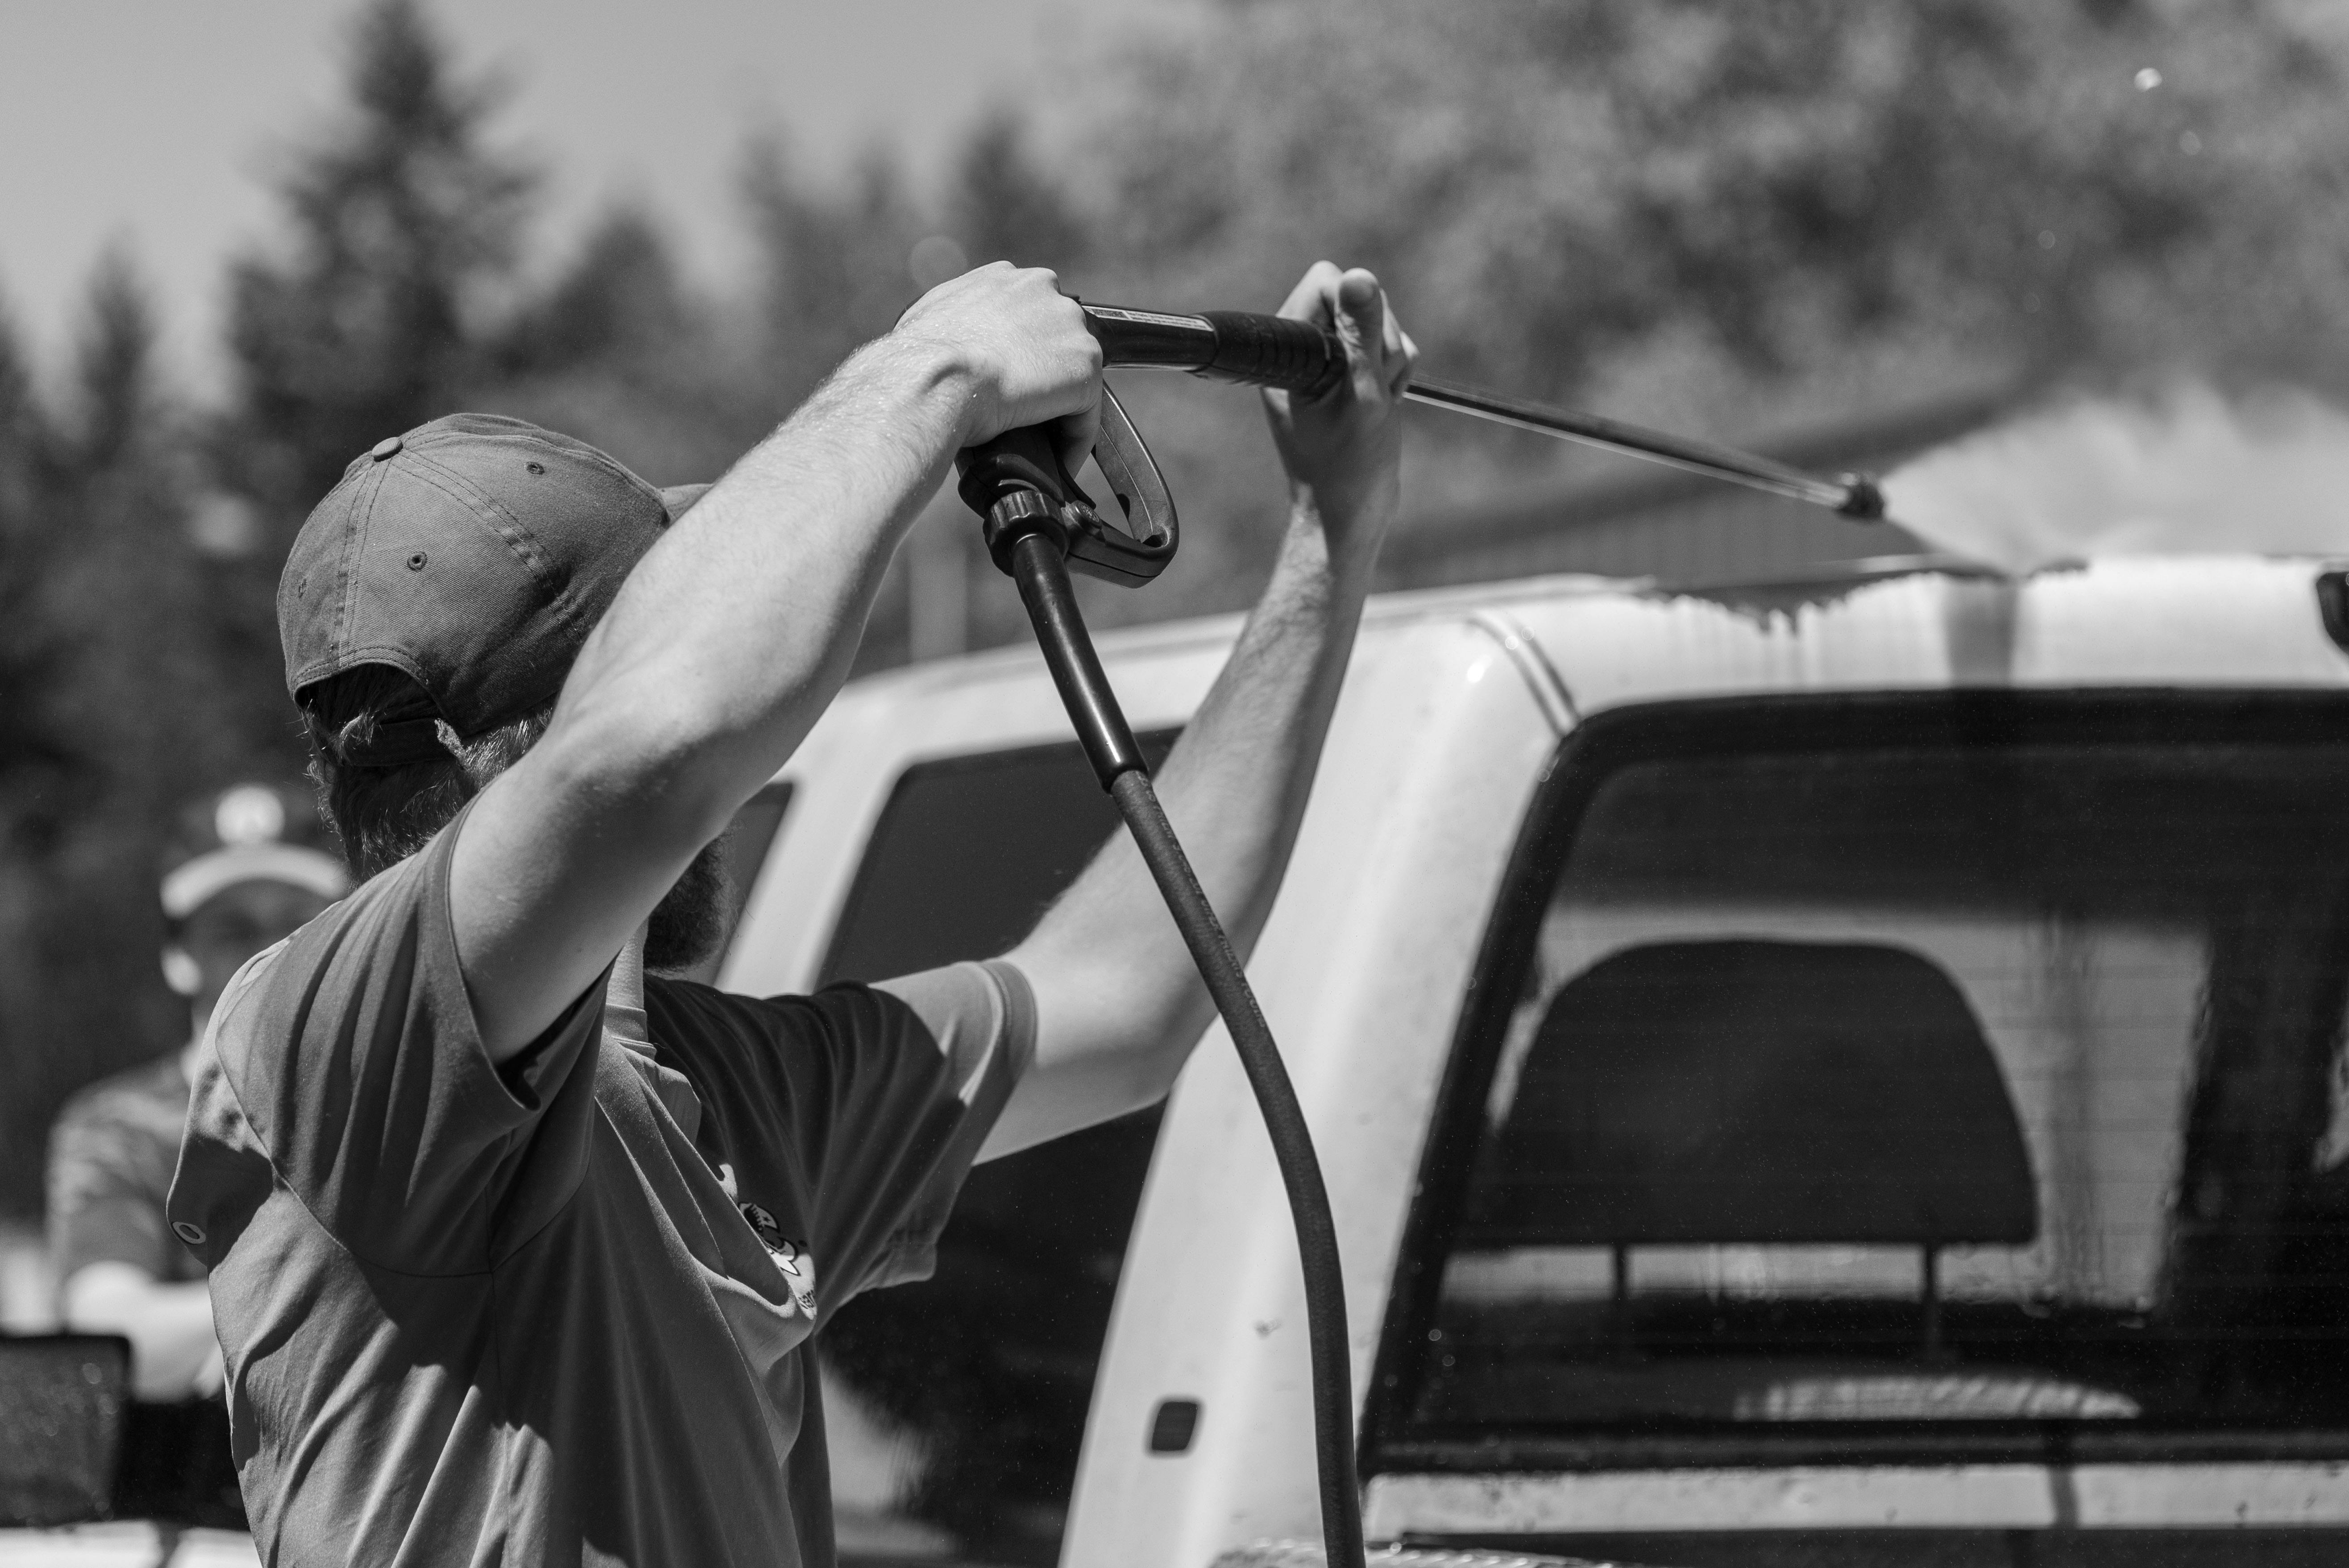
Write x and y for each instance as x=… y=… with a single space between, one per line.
x=833 y=264
x=618 y=352
x=25 y=752
x=31 y=779
x=377 y=311
x=119 y=710
x=619 y=301
x=1004 y=206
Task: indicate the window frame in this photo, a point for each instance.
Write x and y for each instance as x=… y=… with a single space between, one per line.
x=1807 y=723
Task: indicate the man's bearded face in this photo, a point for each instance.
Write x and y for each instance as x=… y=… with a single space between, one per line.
x=689 y=922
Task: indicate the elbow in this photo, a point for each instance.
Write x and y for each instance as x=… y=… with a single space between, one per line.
x=1151 y=1079
x=1118 y=1013
x=1155 y=1043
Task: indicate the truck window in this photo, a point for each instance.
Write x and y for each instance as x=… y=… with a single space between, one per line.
x=966 y=855
x=1877 y=1070
x=988 y=1364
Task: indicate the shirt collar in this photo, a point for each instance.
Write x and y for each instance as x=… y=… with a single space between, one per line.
x=629 y=1026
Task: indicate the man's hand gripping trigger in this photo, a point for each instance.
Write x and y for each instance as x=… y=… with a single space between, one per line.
x=1025 y=344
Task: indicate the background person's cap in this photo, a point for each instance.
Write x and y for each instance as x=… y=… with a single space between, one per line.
x=475 y=553
x=251 y=832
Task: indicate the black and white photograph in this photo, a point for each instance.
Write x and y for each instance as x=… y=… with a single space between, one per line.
x=1174 y=784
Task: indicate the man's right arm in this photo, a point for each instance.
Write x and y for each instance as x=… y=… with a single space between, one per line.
x=731 y=637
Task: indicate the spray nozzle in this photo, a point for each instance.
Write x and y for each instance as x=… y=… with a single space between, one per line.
x=1863 y=499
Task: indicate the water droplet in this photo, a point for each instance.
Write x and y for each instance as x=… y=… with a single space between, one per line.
x=2188 y=143
x=2147 y=79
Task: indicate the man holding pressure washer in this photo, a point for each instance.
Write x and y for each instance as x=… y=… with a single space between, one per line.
x=513 y=1250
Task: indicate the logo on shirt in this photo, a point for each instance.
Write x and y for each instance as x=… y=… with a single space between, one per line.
x=791 y=1257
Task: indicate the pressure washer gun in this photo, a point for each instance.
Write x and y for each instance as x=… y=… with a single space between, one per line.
x=1307 y=361
x=1039 y=526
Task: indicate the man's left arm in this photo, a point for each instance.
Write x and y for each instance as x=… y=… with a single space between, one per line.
x=1118 y=1003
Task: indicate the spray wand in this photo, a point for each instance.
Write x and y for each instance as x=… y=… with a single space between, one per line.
x=1039 y=526
x=1273 y=351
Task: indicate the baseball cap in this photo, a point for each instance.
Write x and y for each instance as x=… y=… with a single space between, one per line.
x=474 y=553
x=251 y=832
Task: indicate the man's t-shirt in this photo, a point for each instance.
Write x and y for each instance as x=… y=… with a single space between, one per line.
x=556 y=1313
x=110 y=1157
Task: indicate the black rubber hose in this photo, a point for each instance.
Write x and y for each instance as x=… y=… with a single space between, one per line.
x=1292 y=1147
x=1043 y=582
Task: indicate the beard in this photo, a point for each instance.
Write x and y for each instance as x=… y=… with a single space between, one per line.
x=689 y=924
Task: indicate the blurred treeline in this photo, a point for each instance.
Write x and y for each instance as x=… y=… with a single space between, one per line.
x=1734 y=217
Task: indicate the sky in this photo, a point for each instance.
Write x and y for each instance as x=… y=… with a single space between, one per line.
x=157 y=124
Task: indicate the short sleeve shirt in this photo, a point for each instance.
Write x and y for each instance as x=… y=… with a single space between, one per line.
x=558 y=1312
x=110 y=1157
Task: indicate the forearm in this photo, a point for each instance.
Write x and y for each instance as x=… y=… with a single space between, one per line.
x=1236 y=785
x=169 y=1327
x=737 y=629
x=1123 y=1001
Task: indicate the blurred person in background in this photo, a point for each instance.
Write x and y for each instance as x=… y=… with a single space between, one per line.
x=250 y=874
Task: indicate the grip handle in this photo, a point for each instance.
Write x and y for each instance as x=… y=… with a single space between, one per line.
x=1027 y=458
x=1274 y=351
x=1223 y=345
x=1019 y=486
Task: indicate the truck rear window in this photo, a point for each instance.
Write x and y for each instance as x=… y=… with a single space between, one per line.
x=1907 y=1065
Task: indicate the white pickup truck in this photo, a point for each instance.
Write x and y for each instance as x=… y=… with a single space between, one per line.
x=1838 y=1071
x=1831 y=1072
